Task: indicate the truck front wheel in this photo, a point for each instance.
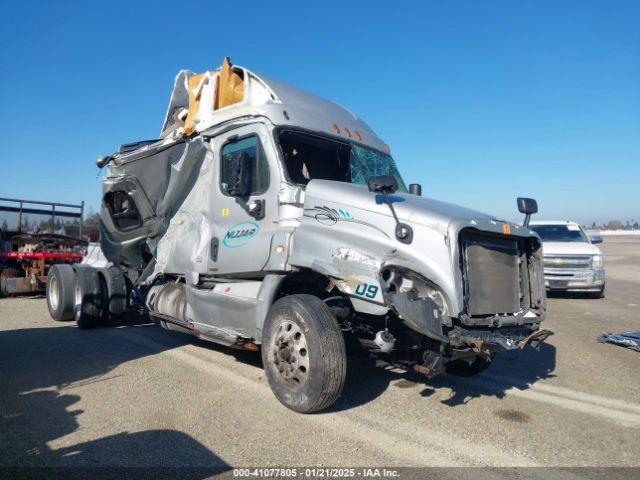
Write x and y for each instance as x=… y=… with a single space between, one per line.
x=303 y=353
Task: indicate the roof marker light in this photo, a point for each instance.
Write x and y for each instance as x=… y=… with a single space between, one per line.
x=336 y=128
x=357 y=134
x=347 y=132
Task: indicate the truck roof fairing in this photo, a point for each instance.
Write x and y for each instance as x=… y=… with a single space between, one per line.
x=202 y=101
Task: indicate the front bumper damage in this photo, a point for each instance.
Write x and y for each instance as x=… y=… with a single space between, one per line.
x=499 y=274
x=478 y=343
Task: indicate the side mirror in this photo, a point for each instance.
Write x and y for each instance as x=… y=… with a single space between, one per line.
x=383 y=184
x=415 y=189
x=241 y=174
x=528 y=206
x=596 y=239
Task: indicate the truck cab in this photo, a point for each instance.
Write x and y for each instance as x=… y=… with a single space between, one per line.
x=572 y=261
x=267 y=218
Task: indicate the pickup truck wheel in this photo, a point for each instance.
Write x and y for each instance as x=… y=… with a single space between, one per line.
x=598 y=294
x=88 y=301
x=303 y=353
x=462 y=368
x=60 y=288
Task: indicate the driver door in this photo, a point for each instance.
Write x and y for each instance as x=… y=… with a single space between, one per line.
x=246 y=223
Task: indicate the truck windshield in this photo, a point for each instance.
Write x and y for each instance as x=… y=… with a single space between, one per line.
x=560 y=233
x=308 y=157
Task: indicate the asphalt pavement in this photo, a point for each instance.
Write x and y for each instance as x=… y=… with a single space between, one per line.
x=137 y=395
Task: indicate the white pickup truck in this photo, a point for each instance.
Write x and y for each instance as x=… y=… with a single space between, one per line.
x=571 y=260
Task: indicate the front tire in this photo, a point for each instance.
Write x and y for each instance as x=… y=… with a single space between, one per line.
x=303 y=353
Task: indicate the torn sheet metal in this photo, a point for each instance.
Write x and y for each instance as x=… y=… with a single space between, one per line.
x=185 y=245
x=231 y=86
x=625 y=339
x=178 y=105
x=196 y=97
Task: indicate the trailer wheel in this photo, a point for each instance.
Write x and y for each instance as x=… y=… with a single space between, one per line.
x=303 y=353
x=60 y=288
x=88 y=299
x=115 y=293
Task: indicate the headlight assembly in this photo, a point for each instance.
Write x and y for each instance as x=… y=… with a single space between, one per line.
x=596 y=261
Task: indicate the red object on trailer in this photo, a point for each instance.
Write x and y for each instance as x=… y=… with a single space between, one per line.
x=41 y=255
x=25 y=257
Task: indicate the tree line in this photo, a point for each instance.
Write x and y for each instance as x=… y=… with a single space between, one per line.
x=616 y=225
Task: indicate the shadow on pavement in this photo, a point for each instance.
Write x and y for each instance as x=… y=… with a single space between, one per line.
x=40 y=364
x=40 y=368
x=520 y=368
x=572 y=295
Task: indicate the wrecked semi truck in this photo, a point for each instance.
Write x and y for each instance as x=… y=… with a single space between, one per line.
x=270 y=219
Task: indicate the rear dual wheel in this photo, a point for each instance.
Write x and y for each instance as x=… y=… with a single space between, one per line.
x=85 y=294
x=60 y=292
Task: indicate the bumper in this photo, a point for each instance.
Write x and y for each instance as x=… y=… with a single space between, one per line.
x=582 y=280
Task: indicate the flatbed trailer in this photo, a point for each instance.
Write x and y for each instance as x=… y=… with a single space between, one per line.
x=25 y=257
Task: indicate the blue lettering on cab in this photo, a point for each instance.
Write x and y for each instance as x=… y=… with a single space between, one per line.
x=240 y=234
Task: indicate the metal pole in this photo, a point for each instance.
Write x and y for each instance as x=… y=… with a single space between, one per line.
x=53 y=219
x=20 y=218
x=81 y=217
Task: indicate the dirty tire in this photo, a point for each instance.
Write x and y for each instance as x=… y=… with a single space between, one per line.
x=60 y=291
x=88 y=301
x=461 y=368
x=317 y=381
x=115 y=292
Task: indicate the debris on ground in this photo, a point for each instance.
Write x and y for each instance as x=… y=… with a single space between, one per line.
x=625 y=339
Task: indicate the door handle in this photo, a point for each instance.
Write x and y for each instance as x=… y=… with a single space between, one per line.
x=213 y=251
x=255 y=208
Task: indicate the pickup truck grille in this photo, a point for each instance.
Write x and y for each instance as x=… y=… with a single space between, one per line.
x=567 y=261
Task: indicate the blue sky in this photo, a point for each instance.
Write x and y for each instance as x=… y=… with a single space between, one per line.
x=480 y=102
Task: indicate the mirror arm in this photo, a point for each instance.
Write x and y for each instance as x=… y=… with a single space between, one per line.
x=404 y=232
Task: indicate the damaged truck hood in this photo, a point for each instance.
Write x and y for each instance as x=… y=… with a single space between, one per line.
x=409 y=208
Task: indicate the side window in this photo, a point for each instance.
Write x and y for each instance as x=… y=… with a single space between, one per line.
x=124 y=212
x=251 y=147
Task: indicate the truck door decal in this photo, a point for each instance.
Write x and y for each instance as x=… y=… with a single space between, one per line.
x=240 y=234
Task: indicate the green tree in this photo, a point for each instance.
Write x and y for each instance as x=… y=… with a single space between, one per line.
x=92 y=220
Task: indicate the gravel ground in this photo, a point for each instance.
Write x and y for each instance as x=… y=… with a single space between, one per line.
x=137 y=395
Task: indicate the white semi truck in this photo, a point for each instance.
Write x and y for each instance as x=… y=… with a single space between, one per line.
x=269 y=218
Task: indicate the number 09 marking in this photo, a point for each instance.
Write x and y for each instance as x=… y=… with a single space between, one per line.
x=367 y=290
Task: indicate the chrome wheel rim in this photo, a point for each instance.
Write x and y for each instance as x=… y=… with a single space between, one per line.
x=54 y=293
x=290 y=354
